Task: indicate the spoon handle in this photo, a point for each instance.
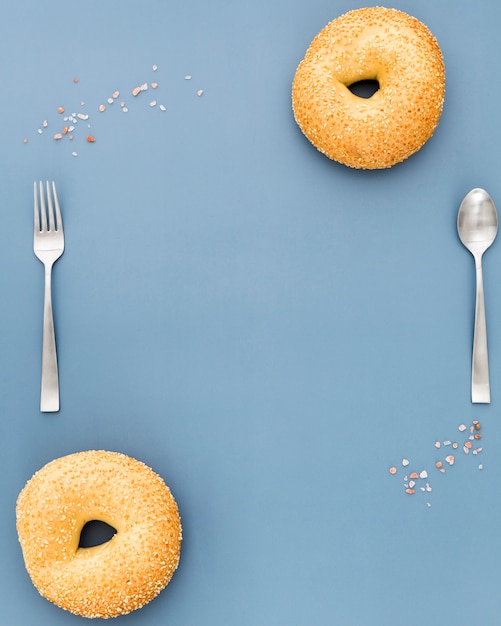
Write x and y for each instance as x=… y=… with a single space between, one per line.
x=480 y=387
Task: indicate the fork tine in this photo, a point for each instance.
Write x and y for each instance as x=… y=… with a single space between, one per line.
x=58 y=209
x=50 y=207
x=37 y=214
x=43 y=212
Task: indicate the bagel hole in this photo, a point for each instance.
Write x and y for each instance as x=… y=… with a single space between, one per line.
x=95 y=533
x=364 y=88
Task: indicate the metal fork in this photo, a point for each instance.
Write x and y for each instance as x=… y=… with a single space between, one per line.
x=48 y=245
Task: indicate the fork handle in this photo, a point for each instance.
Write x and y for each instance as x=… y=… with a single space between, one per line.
x=480 y=387
x=49 y=396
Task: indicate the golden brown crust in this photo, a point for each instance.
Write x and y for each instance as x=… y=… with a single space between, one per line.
x=375 y=43
x=114 y=578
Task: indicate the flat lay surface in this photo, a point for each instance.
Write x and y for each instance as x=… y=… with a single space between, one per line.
x=270 y=331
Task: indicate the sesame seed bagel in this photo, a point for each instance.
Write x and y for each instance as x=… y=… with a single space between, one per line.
x=388 y=46
x=113 y=578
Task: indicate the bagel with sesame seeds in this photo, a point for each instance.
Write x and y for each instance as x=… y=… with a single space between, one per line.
x=370 y=44
x=118 y=576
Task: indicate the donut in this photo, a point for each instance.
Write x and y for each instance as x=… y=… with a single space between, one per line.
x=377 y=44
x=118 y=576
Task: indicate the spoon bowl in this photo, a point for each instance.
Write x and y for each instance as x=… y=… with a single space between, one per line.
x=477 y=221
x=477 y=226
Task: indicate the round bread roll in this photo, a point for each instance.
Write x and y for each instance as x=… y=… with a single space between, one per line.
x=120 y=575
x=384 y=45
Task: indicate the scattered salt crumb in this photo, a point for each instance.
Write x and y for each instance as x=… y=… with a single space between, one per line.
x=74 y=154
x=411 y=484
x=440 y=467
x=428 y=504
x=137 y=90
x=71 y=119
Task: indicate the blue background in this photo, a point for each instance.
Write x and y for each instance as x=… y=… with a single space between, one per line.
x=267 y=329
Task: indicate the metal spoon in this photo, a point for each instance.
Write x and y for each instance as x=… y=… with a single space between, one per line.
x=477 y=229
